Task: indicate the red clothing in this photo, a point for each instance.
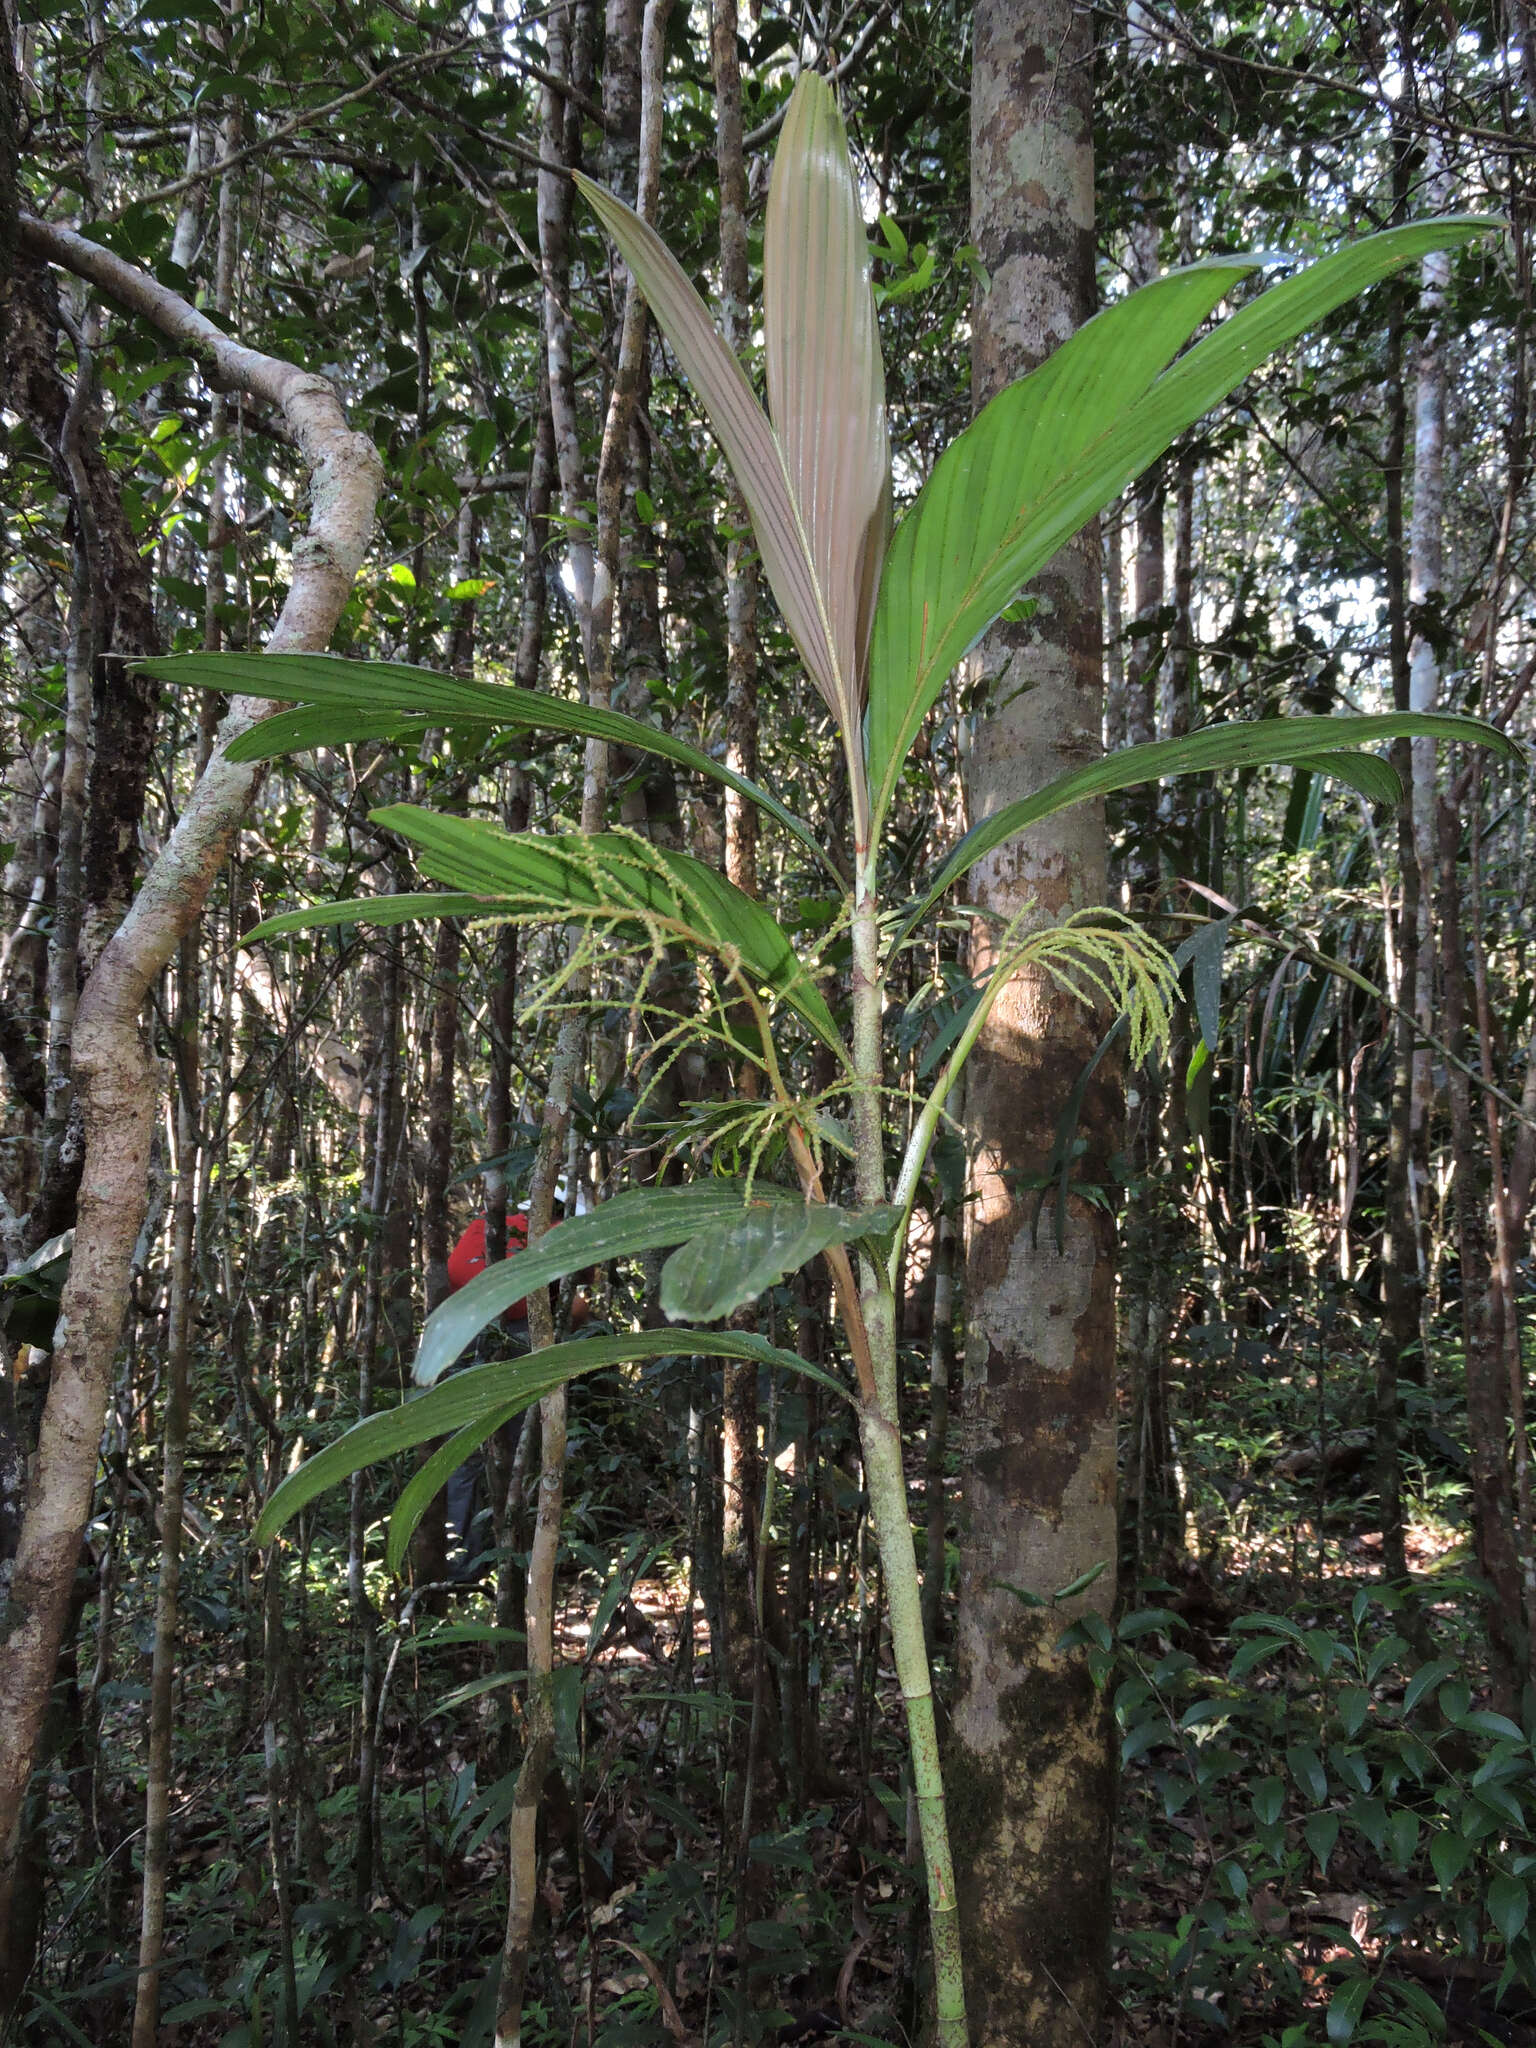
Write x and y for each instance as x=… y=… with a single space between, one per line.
x=468 y=1256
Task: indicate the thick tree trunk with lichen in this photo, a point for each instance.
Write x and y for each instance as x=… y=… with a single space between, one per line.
x=1030 y=1762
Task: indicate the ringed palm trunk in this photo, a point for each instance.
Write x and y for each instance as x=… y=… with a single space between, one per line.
x=1030 y=1764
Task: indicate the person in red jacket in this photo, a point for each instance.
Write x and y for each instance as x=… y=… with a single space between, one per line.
x=468 y=1257
x=509 y=1338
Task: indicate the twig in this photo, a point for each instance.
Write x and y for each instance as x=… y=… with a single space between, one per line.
x=766 y=130
x=308 y=118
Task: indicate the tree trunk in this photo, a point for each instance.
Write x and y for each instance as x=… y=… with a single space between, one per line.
x=1426 y=600
x=1399 y=1350
x=740 y=557
x=941 y=1358
x=429 y=1548
x=741 y=1476
x=595 y=607
x=110 y=712
x=1488 y=1417
x=388 y=1116
x=1031 y=1763
x=157 y=1796
x=1115 y=708
x=503 y=1465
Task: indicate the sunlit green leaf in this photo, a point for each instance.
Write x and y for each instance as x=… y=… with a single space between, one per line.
x=950 y=569
x=734 y=1261
x=1054 y=449
x=342 y=702
x=429 y=1478
x=1376 y=780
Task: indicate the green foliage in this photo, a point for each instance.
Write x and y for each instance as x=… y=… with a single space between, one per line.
x=1055 y=448
x=1274 y=144
x=626 y=884
x=732 y=1262
x=343 y=702
x=30 y=1293
x=479 y=1400
x=1262 y=743
x=1321 y=1765
x=621 y=886
x=638 y=1220
x=1040 y=462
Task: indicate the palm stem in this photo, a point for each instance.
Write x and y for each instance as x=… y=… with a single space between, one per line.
x=880 y=1438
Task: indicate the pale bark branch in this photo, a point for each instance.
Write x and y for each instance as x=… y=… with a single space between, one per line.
x=113 y=1078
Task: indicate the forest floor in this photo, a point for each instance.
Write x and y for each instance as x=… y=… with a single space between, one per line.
x=1324 y=1829
x=1225 y=1931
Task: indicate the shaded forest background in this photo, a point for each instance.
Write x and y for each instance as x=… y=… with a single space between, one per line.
x=1319 y=1659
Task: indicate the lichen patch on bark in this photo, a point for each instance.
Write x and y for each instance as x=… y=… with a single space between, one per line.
x=1051 y=1292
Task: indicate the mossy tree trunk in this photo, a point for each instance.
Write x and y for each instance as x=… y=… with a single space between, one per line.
x=1031 y=1762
